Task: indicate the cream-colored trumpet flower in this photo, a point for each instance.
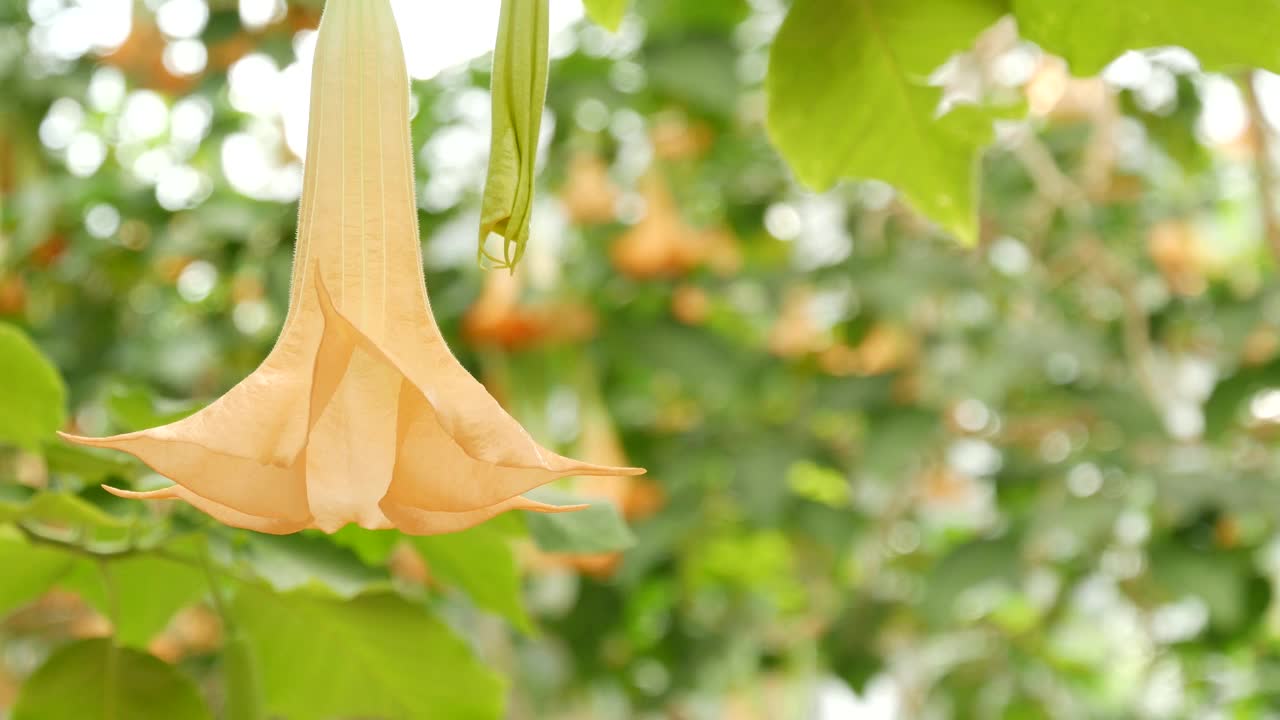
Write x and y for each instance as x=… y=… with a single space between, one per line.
x=360 y=413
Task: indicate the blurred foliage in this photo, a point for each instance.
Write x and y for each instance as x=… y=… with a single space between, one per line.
x=889 y=476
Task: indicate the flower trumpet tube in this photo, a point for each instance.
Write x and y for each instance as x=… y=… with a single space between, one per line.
x=360 y=413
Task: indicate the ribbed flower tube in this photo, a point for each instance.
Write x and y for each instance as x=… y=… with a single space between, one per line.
x=360 y=413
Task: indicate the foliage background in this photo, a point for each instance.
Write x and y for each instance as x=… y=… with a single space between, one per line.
x=890 y=475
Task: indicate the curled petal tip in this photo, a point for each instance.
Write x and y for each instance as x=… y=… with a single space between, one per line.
x=167 y=493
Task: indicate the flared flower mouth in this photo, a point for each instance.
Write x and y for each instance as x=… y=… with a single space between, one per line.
x=360 y=413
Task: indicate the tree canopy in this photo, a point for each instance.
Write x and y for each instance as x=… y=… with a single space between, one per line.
x=948 y=331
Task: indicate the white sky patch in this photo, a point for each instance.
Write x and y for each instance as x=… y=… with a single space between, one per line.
x=835 y=700
x=1224 y=116
x=445 y=34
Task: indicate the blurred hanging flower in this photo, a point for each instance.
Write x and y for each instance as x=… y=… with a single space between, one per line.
x=661 y=244
x=500 y=318
x=589 y=194
x=360 y=413
x=635 y=498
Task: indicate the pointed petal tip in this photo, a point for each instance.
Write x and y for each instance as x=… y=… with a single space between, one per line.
x=88 y=441
x=573 y=467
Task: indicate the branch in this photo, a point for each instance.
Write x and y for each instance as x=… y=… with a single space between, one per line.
x=39 y=538
x=1064 y=192
x=1262 y=163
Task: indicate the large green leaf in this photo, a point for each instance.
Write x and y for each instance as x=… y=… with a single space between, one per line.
x=32 y=395
x=149 y=590
x=28 y=570
x=480 y=562
x=848 y=98
x=607 y=13
x=596 y=529
x=75 y=684
x=1092 y=33
x=375 y=655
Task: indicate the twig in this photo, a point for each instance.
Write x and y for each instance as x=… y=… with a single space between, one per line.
x=1051 y=182
x=131 y=551
x=1262 y=162
x=1064 y=192
x=67 y=546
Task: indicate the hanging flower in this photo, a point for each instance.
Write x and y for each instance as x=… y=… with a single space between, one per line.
x=360 y=413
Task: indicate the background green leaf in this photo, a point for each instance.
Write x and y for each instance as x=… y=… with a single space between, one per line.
x=32 y=396
x=849 y=98
x=374 y=655
x=28 y=570
x=607 y=13
x=596 y=529
x=149 y=589
x=65 y=513
x=480 y=562
x=309 y=560
x=72 y=685
x=1225 y=35
x=1056 y=448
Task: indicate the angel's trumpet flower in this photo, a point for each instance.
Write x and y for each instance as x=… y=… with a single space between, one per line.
x=360 y=414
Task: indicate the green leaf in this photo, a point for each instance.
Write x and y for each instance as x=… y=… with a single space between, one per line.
x=480 y=562
x=607 y=13
x=1218 y=579
x=149 y=589
x=132 y=407
x=848 y=98
x=820 y=484
x=375 y=655
x=518 y=89
x=311 y=560
x=75 y=684
x=1091 y=33
x=596 y=529
x=988 y=563
x=89 y=464
x=32 y=395
x=373 y=547
x=700 y=73
x=1225 y=408
x=28 y=570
